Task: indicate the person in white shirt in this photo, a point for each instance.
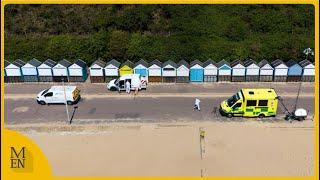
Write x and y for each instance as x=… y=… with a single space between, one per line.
x=128 y=87
x=197 y=104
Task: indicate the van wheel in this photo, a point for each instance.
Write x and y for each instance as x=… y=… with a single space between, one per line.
x=229 y=115
x=69 y=102
x=113 y=89
x=42 y=103
x=261 y=116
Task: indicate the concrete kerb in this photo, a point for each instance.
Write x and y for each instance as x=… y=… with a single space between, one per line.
x=101 y=125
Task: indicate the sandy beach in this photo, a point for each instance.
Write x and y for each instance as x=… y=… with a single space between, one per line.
x=250 y=148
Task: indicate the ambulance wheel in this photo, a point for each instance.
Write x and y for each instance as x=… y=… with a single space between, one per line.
x=261 y=116
x=229 y=115
x=42 y=102
x=69 y=102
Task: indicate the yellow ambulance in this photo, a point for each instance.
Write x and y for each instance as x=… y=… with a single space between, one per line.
x=251 y=103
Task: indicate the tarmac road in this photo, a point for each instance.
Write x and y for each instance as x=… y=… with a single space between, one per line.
x=140 y=109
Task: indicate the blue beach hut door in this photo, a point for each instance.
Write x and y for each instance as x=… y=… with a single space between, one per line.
x=196 y=75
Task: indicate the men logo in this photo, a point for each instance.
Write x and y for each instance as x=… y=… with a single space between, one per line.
x=18 y=157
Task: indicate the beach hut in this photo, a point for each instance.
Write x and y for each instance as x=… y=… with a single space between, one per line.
x=126 y=68
x=97 y=71
x=30 y=71
x=13 y=71
x=141 y=67
x=183 y=72
x=45 y=71
x=78 y=71
x=280 y=71
x=196 y=71
x=111 y=71
x=6 y=63
x=224 y=71
x=169 y=72
x=266 y=71
x=238 y=71
x=294 y=71
x=60 y=71
x=155 y=71
x=308 y=71
x=210 y=71
x=252 y=70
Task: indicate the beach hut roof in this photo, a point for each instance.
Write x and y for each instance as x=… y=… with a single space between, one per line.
x=263 y=62
x=196 y=62
x=277 y=62
x=18 y=63
x=100 y=63
x=236 y=62
x=208 y=62
x=156 y=62
x=127 y=63
x=6 y=63
x=169 y=62
x=65 y=63
x=291 y=63
x=183 y=62
x=114 y=62
x=50 y=62
x=248 y=62
x=35 y=62
x=80 y=63
x=304 y=63
x=142 y=62
x=223 y=62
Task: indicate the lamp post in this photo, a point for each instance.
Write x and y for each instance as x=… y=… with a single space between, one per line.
x=65 y=98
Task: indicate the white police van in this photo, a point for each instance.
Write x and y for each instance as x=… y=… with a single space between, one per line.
x=136 y=81
x=59 y=95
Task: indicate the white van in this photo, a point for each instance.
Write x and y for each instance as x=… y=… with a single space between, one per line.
x=56 y=95
x=136 y=81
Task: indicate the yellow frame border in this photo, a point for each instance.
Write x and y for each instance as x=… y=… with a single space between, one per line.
x=315 y=3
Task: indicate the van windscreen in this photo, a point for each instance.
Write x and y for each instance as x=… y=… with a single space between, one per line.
x=45 y=91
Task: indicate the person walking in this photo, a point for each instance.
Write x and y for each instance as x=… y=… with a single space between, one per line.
x=197 y=104
x=128 y=88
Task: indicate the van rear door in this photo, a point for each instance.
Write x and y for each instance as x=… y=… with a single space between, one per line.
x=144 y=82
x=75 y=94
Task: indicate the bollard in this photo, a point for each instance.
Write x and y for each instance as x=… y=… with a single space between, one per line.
x=202 y=142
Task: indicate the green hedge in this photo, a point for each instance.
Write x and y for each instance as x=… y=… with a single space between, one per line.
x=158 y=32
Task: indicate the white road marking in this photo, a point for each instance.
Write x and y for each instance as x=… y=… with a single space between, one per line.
x=21 y=109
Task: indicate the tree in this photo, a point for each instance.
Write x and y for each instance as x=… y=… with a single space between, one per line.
x=118 y=44
x=158 y=31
